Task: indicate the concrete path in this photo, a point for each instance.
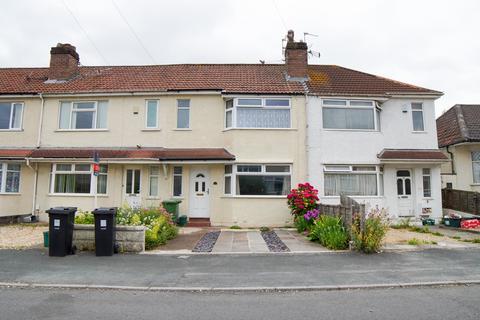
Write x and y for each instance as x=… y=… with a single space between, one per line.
x=204 y=272
x=251 y=241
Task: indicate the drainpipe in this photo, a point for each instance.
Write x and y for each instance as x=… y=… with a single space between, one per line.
x=40 y=121
x=35 y=179
x=452 y=157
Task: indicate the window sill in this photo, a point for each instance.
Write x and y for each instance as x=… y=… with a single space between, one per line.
x=82 y=130
x=420 y=132
x=427 y=198
x=252 y=197
x=84 y=195
x=11 y=130
x=152 y=198
x=262 y=129
x=10 y=194
x=352 y=130
x=182 y=129
x=363 y=197
x=151 y=129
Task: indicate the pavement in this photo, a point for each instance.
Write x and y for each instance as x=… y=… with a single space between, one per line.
x=317 y=271
x=459 y=302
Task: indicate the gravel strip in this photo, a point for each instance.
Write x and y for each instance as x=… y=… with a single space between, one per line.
x=273 y=242
x=206 y=243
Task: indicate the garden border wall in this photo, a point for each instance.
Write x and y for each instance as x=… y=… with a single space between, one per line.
x=128 y=238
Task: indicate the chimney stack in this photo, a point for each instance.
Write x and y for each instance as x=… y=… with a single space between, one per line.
x=296 y=58
x=64 y=61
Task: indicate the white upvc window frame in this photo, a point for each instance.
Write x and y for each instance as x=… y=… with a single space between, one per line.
x=263 y=172
x=157 y=114
x=427 y=172
x=421 y=110
x=73 y=109
x=375 y=107
x=263 y=105
x=356 y=169
x=12 y=106
x=181 y=181
x=54 y=172
x=151 y=175
x=3 y=183
x=189 y=108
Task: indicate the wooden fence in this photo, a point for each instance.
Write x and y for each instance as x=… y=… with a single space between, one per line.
x=345 y=210
x=466 y=201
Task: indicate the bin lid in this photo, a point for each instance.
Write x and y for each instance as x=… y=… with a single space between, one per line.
x=175 y=201
x=62 y=210
x=108 y=210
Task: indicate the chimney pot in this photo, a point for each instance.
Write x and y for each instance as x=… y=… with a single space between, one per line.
x=64 y=61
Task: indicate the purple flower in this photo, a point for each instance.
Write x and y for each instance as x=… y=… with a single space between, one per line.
x=312 y=214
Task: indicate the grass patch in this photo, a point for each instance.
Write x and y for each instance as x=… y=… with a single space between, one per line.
x=477 y=240
x=456 y=237
x=235 y=227
x=264 y=229
x=437 y=234
x=414 y=242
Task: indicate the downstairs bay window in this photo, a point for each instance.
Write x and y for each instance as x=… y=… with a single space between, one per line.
x=253 y=113
x=353 y=180
x=9 y=177
x=257 y=179
x=77 y=179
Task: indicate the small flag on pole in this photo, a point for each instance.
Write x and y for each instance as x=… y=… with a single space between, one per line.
x=96 y=163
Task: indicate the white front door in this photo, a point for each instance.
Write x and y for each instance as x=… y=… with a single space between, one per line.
x=404 y=192
x=132 y=187
x=199 y=193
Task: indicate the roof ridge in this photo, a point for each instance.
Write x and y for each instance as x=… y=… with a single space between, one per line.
x=388 y=79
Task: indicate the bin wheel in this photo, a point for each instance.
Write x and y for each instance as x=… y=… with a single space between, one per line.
x=74 y=250
x=116 y=248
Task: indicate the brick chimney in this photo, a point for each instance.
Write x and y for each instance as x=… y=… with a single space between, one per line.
x=64 y=62
x=296 y=58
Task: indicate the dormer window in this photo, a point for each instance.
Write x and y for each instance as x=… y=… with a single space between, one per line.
x=258 y=113
x=350 y=115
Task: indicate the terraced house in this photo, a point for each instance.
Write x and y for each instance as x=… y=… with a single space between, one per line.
x=229 y=140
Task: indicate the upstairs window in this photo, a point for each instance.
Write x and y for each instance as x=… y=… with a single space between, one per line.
x=83 y=115
x=351 y=115
x=183 y=114
x=11 y=114
x=151 y=114
x=417 y=116
x=252 y=113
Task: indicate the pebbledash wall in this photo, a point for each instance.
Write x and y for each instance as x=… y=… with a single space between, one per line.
x=126 y=128
x=357 y=147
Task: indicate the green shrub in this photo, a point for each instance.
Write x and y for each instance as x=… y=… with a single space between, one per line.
x=84 y=217
x=301 y=224
x=235 y=227
x=329 y=231
x=414 y=242
x=369 y=240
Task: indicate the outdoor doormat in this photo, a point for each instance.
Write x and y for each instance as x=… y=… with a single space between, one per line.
x=273 y=242
x=206 y=243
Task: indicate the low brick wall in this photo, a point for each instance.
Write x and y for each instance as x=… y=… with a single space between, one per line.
x=128 y=238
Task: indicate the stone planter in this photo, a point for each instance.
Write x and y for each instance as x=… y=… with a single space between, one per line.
x=128 y=238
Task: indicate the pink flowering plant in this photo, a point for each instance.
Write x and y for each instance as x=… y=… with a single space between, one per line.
x=303 y=202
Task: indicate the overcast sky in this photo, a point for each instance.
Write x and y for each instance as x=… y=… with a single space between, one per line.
x=435 y=44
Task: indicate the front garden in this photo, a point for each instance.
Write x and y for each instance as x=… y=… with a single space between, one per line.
x=158 y=223
x=364 y=232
